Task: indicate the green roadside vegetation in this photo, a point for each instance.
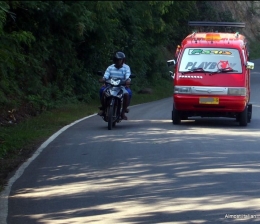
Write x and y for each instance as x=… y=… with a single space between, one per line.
x=254 y=50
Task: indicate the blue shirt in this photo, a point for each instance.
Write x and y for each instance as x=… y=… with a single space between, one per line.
x=124 y=72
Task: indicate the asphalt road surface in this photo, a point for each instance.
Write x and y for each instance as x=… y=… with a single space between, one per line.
x=146 y=170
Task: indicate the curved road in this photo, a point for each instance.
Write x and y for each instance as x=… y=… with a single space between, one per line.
x=144 y=171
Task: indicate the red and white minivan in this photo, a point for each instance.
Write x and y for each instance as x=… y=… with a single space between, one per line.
x=211 y=75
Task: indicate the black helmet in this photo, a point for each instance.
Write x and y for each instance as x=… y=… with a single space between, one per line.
x=119 y=55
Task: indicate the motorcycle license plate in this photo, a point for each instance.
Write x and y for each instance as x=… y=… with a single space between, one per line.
x=209 y=100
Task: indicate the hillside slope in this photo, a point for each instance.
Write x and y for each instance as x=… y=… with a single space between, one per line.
x=243 y=11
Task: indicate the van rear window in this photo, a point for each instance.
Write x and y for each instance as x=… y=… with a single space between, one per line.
x=210 y=59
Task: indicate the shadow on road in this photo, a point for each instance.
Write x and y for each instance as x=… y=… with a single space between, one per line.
x=151 y=178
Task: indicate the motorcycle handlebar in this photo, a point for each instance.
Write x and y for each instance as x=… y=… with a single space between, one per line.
x=107 y=82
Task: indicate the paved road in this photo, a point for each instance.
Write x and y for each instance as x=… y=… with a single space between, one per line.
x=144 y=171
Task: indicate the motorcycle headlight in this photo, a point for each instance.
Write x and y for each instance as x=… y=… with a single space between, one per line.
x=182 y=89
x=115 y=82
x=237 y=91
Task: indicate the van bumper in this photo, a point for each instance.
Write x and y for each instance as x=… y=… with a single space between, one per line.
x=191 y=103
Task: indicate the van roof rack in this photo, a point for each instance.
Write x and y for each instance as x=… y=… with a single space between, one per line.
x=209 y=23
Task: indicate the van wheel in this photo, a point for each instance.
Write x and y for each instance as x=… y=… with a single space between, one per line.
x=249 y=112
x=243 y=117
x=175 y=116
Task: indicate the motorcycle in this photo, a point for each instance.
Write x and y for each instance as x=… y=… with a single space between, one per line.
x=114 y=100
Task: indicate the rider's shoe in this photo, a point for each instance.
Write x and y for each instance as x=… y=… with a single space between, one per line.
x=127 y=110
x=123 y=116
x=101 y=113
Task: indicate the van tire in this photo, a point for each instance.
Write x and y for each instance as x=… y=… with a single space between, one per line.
x=243 y=117
x=175 y=116
x=249 y=112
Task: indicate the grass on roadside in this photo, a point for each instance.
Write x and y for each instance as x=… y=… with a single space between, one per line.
x=16 y=136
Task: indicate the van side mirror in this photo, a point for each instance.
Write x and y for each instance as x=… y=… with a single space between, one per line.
x=250 y=65
x=171 y=62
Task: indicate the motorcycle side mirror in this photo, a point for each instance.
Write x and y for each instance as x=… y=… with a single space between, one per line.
x=99 y=73
x=132 y=76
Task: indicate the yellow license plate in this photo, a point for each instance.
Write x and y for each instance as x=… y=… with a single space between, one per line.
x=209 y=100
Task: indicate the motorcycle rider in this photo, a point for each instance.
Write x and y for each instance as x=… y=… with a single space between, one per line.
x=118 y=70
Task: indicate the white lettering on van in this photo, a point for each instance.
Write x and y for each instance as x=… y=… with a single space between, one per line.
x=204 y=65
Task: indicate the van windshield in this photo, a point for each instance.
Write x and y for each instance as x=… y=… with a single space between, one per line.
x=210 y=59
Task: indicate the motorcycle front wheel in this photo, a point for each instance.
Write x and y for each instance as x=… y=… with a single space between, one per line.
x=110 y=118
x=110 y=114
